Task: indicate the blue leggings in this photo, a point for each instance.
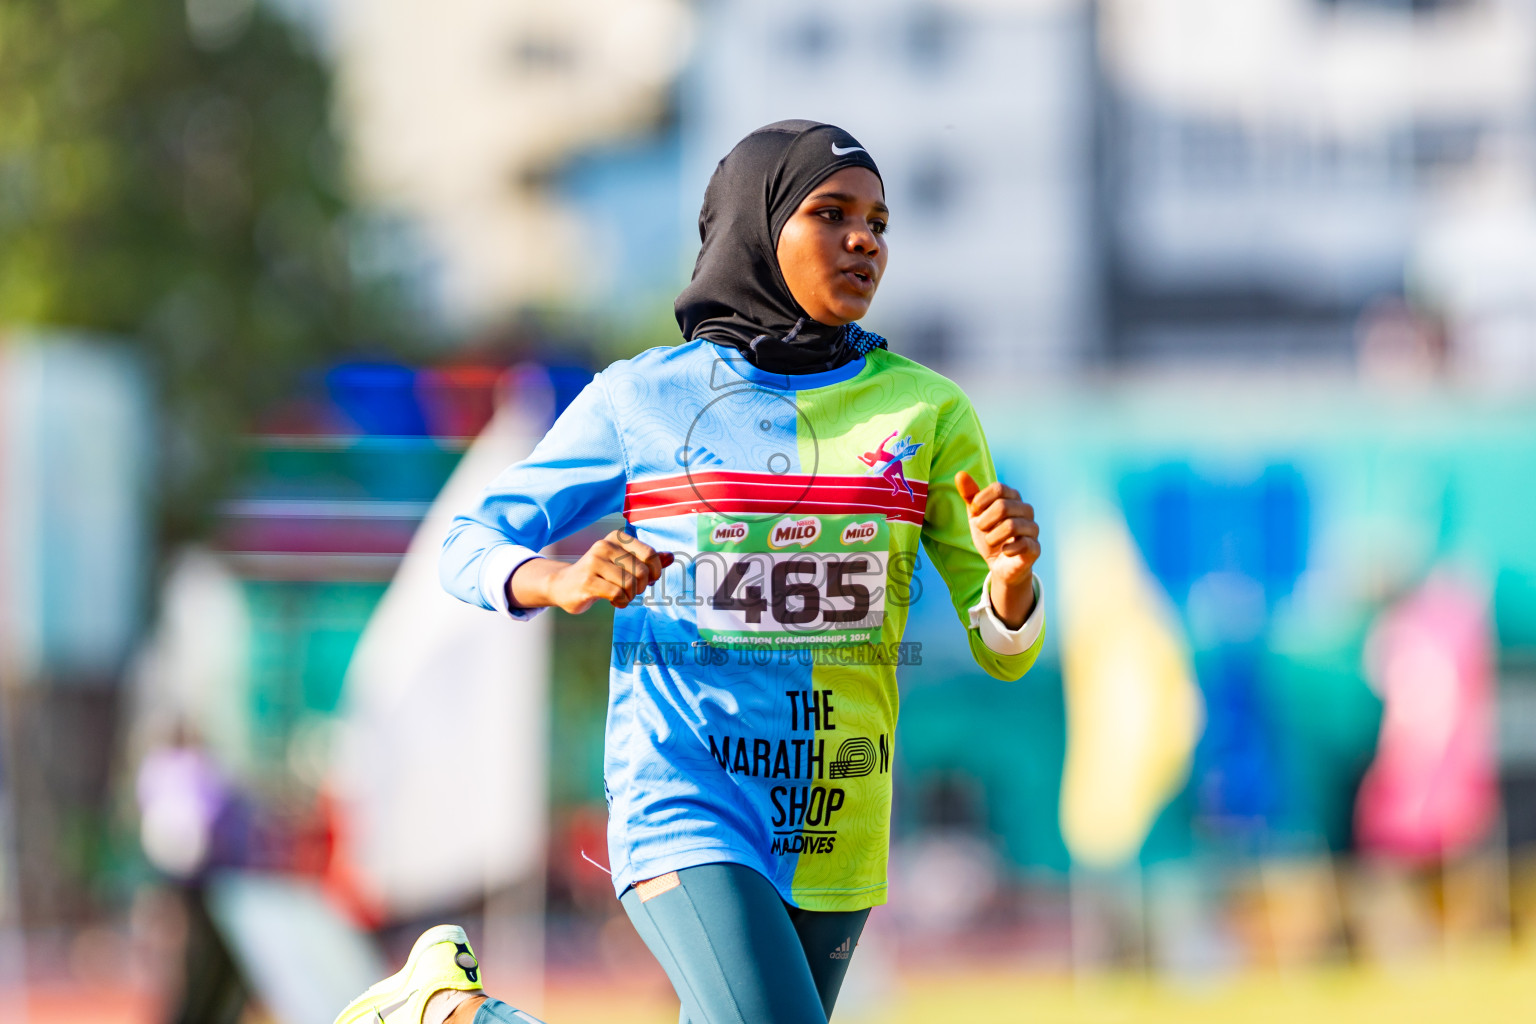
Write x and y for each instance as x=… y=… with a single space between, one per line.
x=735 y=952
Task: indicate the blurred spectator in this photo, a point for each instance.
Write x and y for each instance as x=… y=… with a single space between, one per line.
x=1432 y=792
x=191 y=821
x=1398 y=345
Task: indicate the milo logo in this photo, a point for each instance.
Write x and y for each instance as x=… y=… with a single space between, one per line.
x=858 y=533
x=727 y=532
x=794 y=531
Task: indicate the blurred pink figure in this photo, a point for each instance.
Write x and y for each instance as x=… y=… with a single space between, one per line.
x=1432 y=790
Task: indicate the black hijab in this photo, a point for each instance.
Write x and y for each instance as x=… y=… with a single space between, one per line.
x=738 y=296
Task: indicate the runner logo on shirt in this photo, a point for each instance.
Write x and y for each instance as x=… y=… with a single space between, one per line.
x=886 y=462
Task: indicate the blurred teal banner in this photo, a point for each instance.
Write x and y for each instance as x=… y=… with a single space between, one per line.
x=76 y=457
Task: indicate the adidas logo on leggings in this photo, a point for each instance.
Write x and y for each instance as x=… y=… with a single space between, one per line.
x=844 y=951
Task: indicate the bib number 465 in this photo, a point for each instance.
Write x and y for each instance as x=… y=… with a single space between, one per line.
x=802 y=579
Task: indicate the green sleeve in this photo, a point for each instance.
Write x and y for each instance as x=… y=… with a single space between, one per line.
x=947 y=535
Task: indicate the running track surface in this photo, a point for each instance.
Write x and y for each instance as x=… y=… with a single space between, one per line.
x=1474 y=987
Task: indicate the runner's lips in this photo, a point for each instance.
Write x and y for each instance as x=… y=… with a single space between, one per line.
x=862 y=275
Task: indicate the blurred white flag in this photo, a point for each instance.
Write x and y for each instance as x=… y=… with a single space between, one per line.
x=443 y=755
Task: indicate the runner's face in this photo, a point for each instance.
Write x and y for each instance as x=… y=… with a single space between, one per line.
x=832 y=250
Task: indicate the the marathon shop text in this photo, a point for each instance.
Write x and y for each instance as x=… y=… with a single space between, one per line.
x=805 y=815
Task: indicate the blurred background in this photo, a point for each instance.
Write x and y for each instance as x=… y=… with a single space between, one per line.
x=1244 y=292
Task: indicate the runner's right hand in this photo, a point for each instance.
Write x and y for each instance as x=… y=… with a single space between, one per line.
x=616 y=569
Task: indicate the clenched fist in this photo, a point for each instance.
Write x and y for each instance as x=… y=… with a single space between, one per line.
x=616 y=569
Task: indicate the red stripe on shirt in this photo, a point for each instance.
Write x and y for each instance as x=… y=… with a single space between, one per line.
x=734 y=493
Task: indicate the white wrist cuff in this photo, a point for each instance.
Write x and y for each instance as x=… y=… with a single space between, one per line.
x=496 y=569
x=998 y=637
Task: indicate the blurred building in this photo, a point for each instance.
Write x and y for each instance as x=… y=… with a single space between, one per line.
x=460 y=118
x=1271 y=168
x=980 y=115
x=1137 y=181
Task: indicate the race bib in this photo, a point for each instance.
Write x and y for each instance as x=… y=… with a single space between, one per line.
x=794 y=581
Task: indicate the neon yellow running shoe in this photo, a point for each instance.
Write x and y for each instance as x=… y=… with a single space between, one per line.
x=440 y=959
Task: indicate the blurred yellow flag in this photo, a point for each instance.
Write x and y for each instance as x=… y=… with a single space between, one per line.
x=1133 y=710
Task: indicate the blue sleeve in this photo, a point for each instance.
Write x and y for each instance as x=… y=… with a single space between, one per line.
x=572 y=478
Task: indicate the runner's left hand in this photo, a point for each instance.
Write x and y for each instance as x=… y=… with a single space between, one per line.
x=1004 y=530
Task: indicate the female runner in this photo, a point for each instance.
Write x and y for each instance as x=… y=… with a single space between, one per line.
x=777 y=472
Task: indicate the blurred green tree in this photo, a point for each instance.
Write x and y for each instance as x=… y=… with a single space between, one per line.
x=170 y=174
